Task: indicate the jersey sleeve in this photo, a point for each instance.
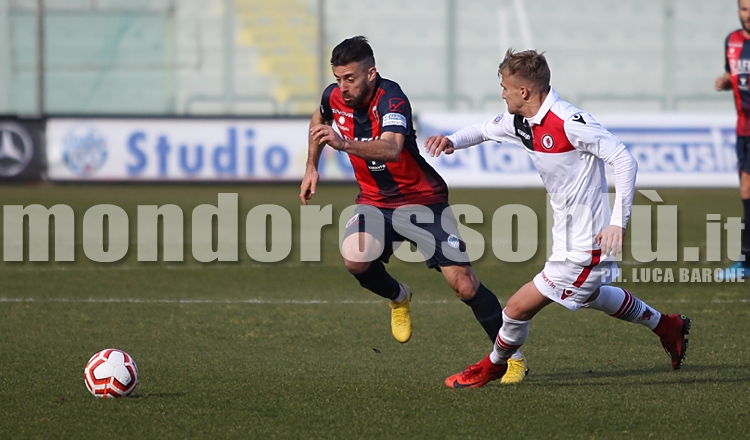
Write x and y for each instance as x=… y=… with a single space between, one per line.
x=501 y=129
x=325 y=103
x=395 y=109
x=498 y=129
x=586 y=134
x=626 y=168
x=726 y=59
x=468 y=136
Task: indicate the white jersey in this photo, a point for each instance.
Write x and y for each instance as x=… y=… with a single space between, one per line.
x=569 y=149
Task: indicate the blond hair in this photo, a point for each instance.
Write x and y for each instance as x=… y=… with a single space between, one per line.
x=529 y=65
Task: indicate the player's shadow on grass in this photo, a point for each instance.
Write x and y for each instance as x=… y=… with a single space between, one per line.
x=153 y=395
x=688 y=374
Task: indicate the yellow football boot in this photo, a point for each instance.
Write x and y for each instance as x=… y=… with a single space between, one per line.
x=400 y=317
x=517 y=370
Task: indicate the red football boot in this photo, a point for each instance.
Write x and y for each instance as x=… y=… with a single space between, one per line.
x=477 y=375
x=672 y=331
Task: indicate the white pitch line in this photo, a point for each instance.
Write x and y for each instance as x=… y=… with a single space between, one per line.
x=204 y=301
x=286 y=301
x=146 y=267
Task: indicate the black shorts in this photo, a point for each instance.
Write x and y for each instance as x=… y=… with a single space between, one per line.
x=431 y=228
x=743 y=154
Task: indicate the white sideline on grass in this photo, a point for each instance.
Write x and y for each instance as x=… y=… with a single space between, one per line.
x=291 y=301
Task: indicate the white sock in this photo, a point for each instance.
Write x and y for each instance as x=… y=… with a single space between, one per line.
x=510 y=338
x=621 y=304
x=401 y=294
x=495 y=358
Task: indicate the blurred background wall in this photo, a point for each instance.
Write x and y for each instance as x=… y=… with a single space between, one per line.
x=270 y=57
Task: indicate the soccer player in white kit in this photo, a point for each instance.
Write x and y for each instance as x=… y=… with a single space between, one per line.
x=569 y=149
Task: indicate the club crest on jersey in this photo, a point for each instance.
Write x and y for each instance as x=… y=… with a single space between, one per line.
x=548 y=142
x=396 y=105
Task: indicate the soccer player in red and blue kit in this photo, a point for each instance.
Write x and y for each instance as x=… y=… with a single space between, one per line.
x=737 y=78
x=401 y=196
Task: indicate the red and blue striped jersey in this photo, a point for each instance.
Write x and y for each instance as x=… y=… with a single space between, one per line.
x=410 y=180
x=737 y=56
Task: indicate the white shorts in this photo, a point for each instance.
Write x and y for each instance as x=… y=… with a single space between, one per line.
x=571 y=284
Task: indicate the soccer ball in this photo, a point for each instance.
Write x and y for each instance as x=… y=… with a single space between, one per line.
x=111 y=373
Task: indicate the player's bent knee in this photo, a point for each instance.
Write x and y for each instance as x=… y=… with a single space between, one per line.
x=356 y=267
x=462 y=280
x=361 y=248
x=464 y=288
x=513 y=308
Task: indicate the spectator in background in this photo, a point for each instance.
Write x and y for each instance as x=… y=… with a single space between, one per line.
x=569 y=149
x=735 y=78
x=369 y=117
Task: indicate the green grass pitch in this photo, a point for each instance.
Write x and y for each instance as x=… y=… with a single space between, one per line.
x=298 y=350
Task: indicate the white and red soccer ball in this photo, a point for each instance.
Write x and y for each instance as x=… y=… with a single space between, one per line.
x=111 y=373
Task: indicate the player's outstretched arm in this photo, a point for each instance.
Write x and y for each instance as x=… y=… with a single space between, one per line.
x=464 y=138
x=434 y=145
x=314 y=150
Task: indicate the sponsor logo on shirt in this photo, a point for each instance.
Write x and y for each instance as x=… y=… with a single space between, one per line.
x=566 y=293
x=739 y=67
x=376 y=166
x=342 y=113
x=394 y=119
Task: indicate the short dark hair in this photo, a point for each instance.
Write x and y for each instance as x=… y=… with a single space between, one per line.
x=352 y=50
x=529 y=65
